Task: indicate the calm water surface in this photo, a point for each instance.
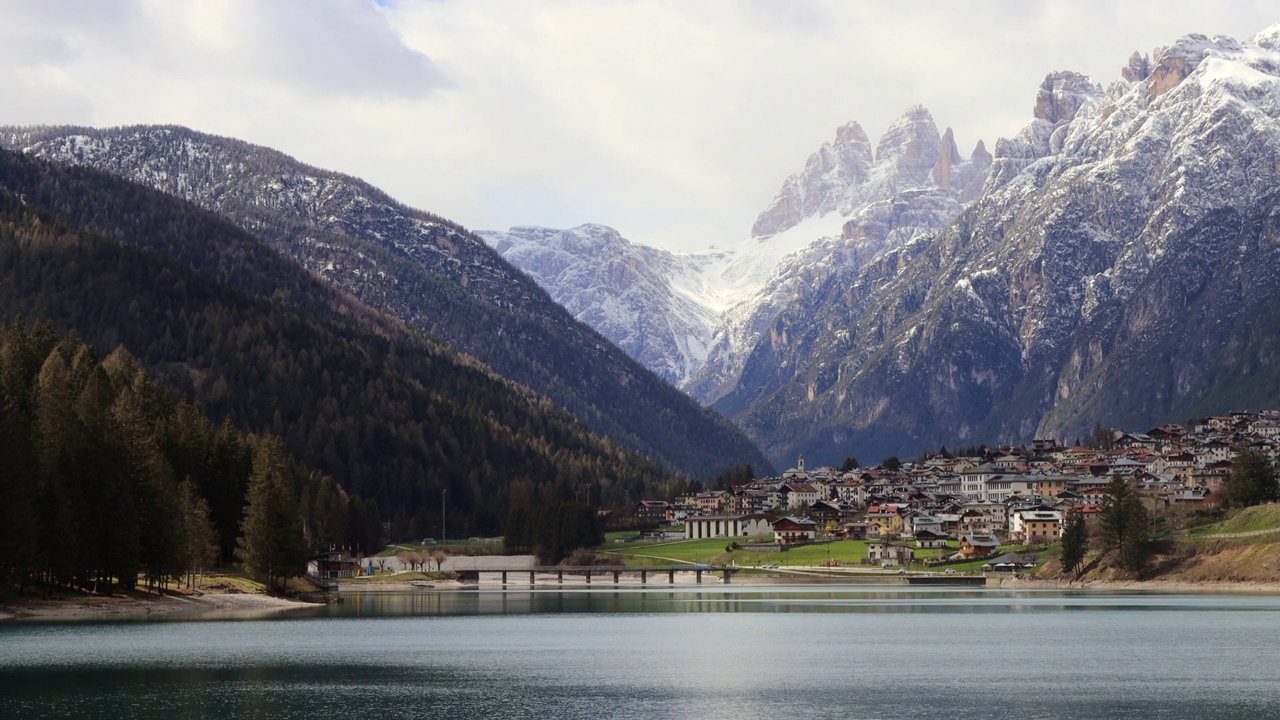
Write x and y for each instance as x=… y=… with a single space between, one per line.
x=716 y=653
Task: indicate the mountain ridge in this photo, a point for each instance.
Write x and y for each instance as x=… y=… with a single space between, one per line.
x=427 y=271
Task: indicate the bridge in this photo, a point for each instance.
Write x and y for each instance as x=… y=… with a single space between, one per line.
x=604 y=572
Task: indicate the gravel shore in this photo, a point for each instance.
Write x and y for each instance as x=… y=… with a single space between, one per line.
x=143 y=605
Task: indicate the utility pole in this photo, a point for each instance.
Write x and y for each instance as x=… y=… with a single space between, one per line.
x=444 y=533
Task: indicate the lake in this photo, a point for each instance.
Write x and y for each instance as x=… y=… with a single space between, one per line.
x=725 y=652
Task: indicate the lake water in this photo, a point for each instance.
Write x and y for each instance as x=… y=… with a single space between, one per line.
x=736 y=652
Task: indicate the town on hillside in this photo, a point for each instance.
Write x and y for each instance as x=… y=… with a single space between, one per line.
x=1002 y=496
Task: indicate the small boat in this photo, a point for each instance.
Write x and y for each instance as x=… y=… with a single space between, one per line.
x=421 y=584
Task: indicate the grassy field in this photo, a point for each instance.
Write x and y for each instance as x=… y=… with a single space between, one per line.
x=714 y=551
x=1259 y=517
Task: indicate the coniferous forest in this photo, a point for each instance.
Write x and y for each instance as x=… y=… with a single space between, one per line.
x=231 y=343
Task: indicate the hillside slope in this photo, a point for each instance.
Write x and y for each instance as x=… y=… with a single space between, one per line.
x=394 y=416
x=425 y=270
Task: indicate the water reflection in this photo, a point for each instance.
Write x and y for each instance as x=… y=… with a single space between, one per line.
x=740 y=652
x=771 y=600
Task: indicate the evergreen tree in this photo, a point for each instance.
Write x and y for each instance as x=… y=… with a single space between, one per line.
x=19 y=466
x=55 y=447
x=155 y=493
x=1123 y=525
x=200 y=539
x=272 y=545
x=1252 y=479
x=850 y=463
x=1075 y=541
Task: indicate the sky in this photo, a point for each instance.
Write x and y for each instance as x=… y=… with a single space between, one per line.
x=674 y=122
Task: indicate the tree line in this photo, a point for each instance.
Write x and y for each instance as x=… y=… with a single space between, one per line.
x=106 y=482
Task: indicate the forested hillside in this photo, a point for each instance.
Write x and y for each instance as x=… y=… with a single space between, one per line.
x=423 y=269
x=212 y=314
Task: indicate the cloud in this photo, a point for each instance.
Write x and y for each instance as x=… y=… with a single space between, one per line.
x=674 y=121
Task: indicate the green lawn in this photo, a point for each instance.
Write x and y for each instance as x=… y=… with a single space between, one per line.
x=712 y=551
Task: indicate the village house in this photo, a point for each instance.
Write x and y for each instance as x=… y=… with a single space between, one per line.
x=652 y=512
x=885 y=521
x=799 y=495
x=712 y=502
x=978 y=546
x=930 y=539
x=794 y=531
x=1036 y=526
x=884 y=553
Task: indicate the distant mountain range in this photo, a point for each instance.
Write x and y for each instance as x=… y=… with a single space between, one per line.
x=429 y=272
x=214 y=315
x=1113 y=262
x=695 y=317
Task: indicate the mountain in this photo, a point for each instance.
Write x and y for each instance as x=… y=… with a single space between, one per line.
x=252 y=338
x=422 y=269
x=1119 y=266
x=630 y=293
x=695 y=317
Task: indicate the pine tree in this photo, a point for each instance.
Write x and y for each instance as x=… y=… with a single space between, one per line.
x=1252 y=479
x=19 y=468
x=272 y=545
x=55 y=422
x=1123 y=525
x=200 y=540
x=1075 y=541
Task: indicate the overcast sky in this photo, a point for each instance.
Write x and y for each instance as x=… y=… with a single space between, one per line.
x=674 y=122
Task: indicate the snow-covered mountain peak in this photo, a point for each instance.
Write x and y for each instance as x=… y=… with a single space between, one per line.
x=909 y=149
x=1268 y=38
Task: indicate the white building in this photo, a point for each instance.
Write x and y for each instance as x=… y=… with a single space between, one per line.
x=711 y=526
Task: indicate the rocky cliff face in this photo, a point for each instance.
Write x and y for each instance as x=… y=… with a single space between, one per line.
x=694 y=318
x=917 y=183
x=423 y=269
x=1119 y=266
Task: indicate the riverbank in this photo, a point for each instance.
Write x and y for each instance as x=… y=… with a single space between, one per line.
x=141 y=605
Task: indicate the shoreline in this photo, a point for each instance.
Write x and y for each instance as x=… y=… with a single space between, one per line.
x=144 y=605
x=994 y=583
x=232 y=605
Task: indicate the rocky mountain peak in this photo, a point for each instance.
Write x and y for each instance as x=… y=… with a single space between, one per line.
x=910 y=148
x=1062 y=94
x=1269 y=38
x=851 y=133
x=823 y=186
x=948 y=157
x=1060 y=98
x=1138 y=69
x=980 y=154
x=844 y=176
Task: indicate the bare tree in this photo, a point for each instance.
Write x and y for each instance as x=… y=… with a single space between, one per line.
x=439 y=555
